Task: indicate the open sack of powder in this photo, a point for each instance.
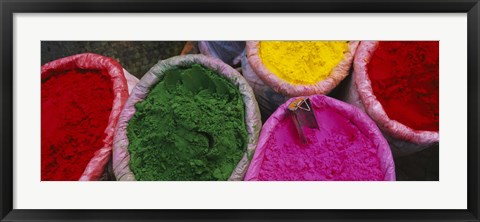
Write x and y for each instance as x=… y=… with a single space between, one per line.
x=396 y=84
x=346 y=146
x=278 y=70
x=190 y=118
x=82 y=97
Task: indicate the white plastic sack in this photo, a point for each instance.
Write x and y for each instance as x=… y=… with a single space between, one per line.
x=121 y=156
x=97 y=165
x=403 y=139
x=362 y=121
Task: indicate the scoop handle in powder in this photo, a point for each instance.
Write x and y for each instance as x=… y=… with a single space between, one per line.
x=303 y=115
x=298 y=127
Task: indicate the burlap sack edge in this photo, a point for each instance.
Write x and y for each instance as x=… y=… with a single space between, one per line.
x=361 y=119
x=338 y=73
x=121 y=155
x=373 y=107
x=96 y=166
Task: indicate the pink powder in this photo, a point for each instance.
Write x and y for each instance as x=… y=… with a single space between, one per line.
x=340 y=150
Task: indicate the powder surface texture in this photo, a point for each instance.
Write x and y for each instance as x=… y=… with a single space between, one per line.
x=302 y=62
x=76 y=105
x=404 y=78
x=191 y=127
x=338 y=150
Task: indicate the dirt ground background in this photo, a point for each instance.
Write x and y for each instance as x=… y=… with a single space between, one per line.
x=138 y=57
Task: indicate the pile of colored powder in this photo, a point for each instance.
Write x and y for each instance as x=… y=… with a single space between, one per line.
x=76 y=105
x=191 y=127
x=404 y=78
x=302 y=62
x=338 y=150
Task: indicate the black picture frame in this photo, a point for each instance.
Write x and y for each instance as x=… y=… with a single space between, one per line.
x=9 y=7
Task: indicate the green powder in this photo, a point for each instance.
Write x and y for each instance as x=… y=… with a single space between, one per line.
x=190 y=127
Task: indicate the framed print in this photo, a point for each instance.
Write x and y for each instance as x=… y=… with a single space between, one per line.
x=266 y=110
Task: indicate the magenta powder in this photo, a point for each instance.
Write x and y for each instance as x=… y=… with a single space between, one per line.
x=341 y=149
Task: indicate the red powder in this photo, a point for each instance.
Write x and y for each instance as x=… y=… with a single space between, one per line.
x=76 y=106
x=404 y=78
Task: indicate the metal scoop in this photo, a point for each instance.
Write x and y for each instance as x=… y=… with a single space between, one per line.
x=303 y=115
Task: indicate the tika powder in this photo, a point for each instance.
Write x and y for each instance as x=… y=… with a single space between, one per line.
x=191 y=127
x=404 y=78
x=302 y=62
x=340 y=150
x=76 y=105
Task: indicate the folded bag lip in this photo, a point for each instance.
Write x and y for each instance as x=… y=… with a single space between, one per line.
x=121 y=156
x=96 y=166
x=374 y=108
x=339 y=72
x=355 y=114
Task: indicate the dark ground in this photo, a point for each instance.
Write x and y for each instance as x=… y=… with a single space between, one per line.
x=138 y=57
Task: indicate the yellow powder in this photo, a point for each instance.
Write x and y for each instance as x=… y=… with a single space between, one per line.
x=302 y=62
